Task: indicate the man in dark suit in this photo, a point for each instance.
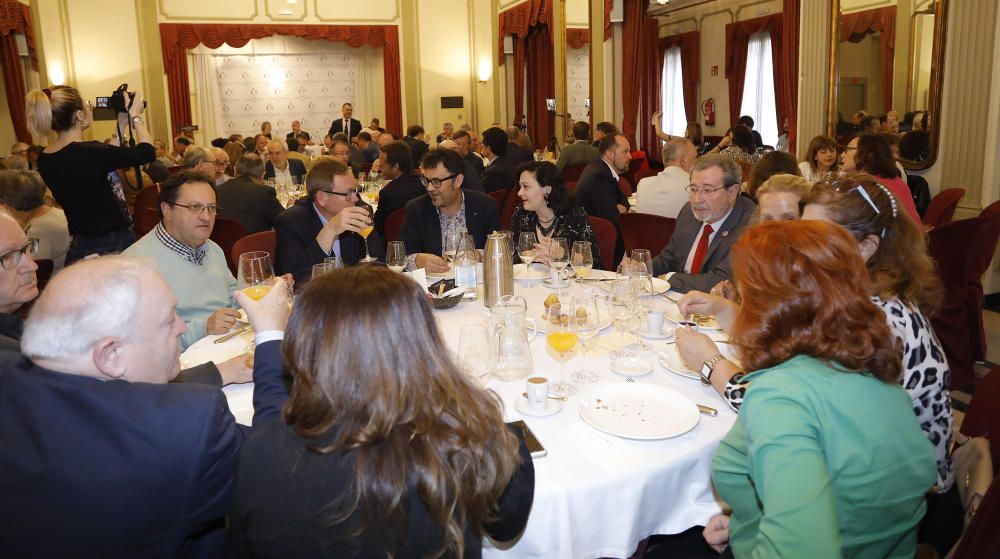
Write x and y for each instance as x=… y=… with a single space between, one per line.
x=326 y=223
x=602 y=129
x=499 y=174
x=597 y=190
x=415 y=139
x=98 y=448
x=697 y=256
x=246 y=199
x=463 y=140
x=471 y=181
x=446 y=207
x=293 y=144
x=280 y=167
x=346 y=124
x=404 y=183
x=515 y=153
x=341 y=150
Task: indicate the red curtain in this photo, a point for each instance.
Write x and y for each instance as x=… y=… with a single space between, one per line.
x=15 y=18
x=787 y=90
x=541 y=85
x=518 y=77
x=689 y=43
x=576 y=38
x=178 y=37
x=854 y=27
x=737 y=41
x=519 y=20
x=640 y=82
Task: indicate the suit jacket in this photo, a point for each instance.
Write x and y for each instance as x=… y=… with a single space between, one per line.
x=477 y=163
x=295 y=166
x=577 y=153
x=422 y=229
x=338 y=126
x=116 y=468
x=716 y=265
x=297 y=250
x=517 y=155
x=597 y=191
x=254 y=205
x=498 y=175
x=417 y=148
x=471 y=180
x=394 y=196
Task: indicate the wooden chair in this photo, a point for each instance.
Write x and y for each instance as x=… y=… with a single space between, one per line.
x=951 y=246
x=394 y=225
x=146 y=213
x=979 y=263
x=643 y=173
x=507 y=209
x=573 y=172
x=265 y=241
x=499 y=196
x=624 y=186
x=225 y=234
x=942 y=207
x=648 y=231
x=571 y=186
x=607 y=237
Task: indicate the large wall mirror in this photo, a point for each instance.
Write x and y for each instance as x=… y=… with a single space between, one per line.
x=578 y=47
x=887 y=58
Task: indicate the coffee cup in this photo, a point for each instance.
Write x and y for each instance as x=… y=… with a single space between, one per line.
x=537 y=389
x=654 y=323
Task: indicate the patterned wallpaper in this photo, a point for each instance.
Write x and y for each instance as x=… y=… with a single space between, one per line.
x=577 y=81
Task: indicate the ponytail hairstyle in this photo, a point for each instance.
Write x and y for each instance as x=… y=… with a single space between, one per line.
x=52 y=109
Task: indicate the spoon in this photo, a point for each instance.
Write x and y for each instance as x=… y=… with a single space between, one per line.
x=551 y=397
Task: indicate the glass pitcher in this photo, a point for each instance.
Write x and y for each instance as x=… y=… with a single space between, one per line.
x=511 y=341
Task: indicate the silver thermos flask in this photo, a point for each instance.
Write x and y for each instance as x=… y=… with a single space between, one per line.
x=498 y=268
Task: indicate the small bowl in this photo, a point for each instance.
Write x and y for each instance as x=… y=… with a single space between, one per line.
x=442 y=303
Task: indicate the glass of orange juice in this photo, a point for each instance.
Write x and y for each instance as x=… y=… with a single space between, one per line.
x=562 y=340
x=255 y=274
x=367 y=230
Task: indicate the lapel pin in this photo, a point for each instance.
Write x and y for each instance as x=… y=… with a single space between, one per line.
x=725 y=233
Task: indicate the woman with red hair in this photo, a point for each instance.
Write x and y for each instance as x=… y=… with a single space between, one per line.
x=806 y=468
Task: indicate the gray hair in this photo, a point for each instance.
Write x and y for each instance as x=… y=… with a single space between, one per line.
x=250 y=165
x=731 y=172
x=675 y=148
x=194 y=155
x=62 y=326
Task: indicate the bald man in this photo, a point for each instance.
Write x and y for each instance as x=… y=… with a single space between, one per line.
x=98 y=448
x=471 y=181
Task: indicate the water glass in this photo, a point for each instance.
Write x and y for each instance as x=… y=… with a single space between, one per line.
x=642 y=260
x=474 y=355
x=585 y=321
x=255 y=274
x=395 y=256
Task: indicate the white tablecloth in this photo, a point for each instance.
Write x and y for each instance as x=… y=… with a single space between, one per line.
x=596 y=495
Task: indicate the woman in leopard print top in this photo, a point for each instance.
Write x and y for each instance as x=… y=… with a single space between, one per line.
x=906 y=289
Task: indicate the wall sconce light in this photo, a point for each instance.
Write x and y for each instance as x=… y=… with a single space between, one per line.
x=56 y=74
x=485 y=70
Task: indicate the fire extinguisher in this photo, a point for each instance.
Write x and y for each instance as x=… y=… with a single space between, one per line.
x=708 y=109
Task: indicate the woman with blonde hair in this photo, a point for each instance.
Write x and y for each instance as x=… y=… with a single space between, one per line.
x=385 y=448
x=780 y=198
x=82 y=174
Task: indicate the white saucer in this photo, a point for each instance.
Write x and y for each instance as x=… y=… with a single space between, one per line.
x=522 y=406
x=631 y=366
x=665 y=332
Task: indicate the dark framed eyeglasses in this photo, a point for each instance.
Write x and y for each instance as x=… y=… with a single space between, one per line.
x=12 y=259
x=196 y=209
x=347 y=194
x=436 y=183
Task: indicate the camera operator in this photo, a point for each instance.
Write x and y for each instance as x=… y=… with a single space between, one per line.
x=82 y=174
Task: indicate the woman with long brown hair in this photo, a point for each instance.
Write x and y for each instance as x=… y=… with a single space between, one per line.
x=385 y=449
x=825 y=458
x=821 y=158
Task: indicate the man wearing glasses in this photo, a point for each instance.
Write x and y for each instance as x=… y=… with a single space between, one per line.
x=326 y=223
x=193 y=266
x=697 y=256
x=17 y=279
x=446 y=208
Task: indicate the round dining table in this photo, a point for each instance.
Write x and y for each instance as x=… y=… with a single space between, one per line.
x=596 y=494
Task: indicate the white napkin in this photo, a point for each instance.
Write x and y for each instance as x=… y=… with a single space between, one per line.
x=419 y=276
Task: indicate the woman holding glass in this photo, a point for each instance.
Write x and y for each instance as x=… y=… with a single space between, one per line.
x=374 y=456
x=548 y=210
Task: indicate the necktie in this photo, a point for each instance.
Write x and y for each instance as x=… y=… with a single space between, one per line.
x=699 y=253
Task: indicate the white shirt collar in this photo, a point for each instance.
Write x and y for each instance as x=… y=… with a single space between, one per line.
x=613 y=172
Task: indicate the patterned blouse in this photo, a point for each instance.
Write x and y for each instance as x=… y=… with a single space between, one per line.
x=449 y=225
x=737 y=154
x=925 y=379
x=571 y=225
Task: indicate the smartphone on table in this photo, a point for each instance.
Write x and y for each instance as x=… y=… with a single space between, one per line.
x=535 y=447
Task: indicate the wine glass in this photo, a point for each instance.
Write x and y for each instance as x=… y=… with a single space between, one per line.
x=474 y=356
x=585 y=321
x=320 y=269
x=582 y=260
x=255 y=274
x=526 y=249
x=334 y=262
x=642 y=289
x=620 y=302
x=395 y=256
x=451 y=242
x=562 y=340
x=367 y=230
x=558 y=259
x=642 y=260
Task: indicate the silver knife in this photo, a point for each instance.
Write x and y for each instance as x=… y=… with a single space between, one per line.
x=232 y=335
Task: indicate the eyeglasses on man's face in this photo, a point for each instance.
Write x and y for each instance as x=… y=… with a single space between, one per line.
x=436 y=183
x=196 y=208
x=692 y=190
x=347 y=195
x=12 y=259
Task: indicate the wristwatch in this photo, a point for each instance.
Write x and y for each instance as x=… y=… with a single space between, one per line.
x=137 y=119
x=707 y=366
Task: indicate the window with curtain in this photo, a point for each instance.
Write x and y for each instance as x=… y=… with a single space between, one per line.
x=758 y=89
x=672 y=89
